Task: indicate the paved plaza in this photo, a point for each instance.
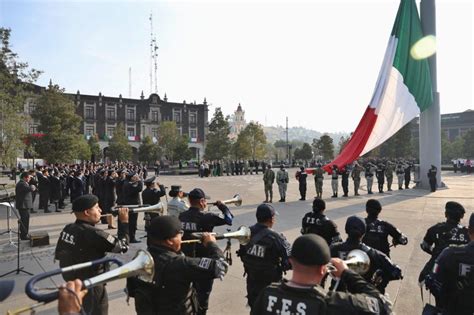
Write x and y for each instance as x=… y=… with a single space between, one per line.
x=412 y=211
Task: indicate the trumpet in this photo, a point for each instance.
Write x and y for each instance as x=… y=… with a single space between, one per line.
x=237 y=200
x=357 y=260
x=242 y=235
x=137 y=209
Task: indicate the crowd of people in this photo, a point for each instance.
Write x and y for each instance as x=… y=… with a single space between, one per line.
x=231 y=167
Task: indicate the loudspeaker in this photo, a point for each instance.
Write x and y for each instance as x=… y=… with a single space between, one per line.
x=40 y=238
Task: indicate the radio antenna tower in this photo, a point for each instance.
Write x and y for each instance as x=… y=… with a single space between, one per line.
x=151 y=53
x=153 y=58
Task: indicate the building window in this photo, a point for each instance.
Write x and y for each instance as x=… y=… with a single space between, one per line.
x=32 y=108
x=154 y=132
x=193 y=135
x=90 y=112
x=154 y=116
x=110 y=113
x=89 y=130
x=130 y=131
x=177 y=116
x=130 y=114
x=192 y=117
x=110 y=131
x=33 y=129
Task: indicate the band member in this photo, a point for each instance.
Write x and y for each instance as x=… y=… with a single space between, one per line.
x=452 y=280
x=131 y=196
x=23 y=203
x=268 y=180
x=109 y=196
x=177 y=204
x=197 y=220
x=376 y=235
x=303 y=294
x=316 y=222
x=152 y=196
x=282 y=182
x=265 y=257
x=81 y=242
x=382 y=269
x=44 y=187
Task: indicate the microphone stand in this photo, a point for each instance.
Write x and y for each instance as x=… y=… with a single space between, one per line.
x=18 y=268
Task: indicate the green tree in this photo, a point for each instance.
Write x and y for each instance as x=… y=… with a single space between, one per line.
x=181 y=150
x=58 y=121
x=148 y=152
x=15 y=89
x=399 y=145
x=119 y=149
x=325 y=147
x=343 y=142
x=83 y=150
x=96 y=152
x=306 y=153
x=218 y=142
x=469 y=144
x=173 y=145
x=251 y=142
x=281 y=148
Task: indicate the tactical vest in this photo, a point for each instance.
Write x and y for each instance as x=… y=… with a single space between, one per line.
x=376 y=236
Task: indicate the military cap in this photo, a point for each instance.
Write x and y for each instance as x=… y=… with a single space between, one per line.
x=265 y=211
x=354 y=224
x=164 y=227
x=84 y=202
x=150 y=180
x=310 y=250
x=175 y=189
x=197 y=193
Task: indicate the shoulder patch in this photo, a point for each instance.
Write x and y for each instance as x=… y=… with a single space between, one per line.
x=204 y=263
x=373 y=305
x=111 y=239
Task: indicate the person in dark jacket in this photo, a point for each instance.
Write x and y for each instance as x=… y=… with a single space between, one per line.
x=152 y=196
x=301 y=178
x=316 y=222
x=44 y=187
x=56 y=191
x=23 y=203
x=77 y=186
x=109 y=196
x=131 y=196
x=33 y=182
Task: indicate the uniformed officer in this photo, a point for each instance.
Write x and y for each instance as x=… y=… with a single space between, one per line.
x=318 y=180
x=196 y=220
x=265 y=257
x=389 y=175
x=376 y=235
x=81 y=242
x=369 y=176
x=151 y=196
x=400 y=174
x=452 y=278
x=356 y=177
x=444 y=234
x=407 y=170
x=177 y=204
x=301 y=178
x=316 y=222
x=131 y=196
x=380 y=174
x=432 y=177
x=380 y=264
x=334 y=180
x=171 y=291
x=345 y=172
x=109 y=196
x=282 y=180
x=303 y=294
x=268 y=180
x=44 y=187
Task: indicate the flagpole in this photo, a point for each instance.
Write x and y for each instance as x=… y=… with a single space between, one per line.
x=430 y=119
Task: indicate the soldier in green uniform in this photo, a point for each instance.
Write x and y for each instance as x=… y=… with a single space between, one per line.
x=318 y=180
x=356 y=177
x=369 y=176
x=400 y=171
x=268 y=180
x=282 y=182
x=389 y=175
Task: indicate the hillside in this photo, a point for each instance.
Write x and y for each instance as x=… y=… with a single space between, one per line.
x=298 y=133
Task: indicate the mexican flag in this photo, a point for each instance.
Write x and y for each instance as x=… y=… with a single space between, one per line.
x=403 y=89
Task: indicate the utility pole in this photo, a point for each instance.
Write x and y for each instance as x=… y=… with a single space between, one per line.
x=430 y=119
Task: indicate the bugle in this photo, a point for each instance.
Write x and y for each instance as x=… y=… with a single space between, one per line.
x=357 y=260
x=237 y=200
x=137 y=209
x=242 y=235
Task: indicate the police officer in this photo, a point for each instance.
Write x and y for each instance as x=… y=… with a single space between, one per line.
x=444 y=234
x=355 y=174
x=265 y=257
x=171 y=291
x=369 y=176
x=282 y=180
x=318 y=180
x=196 y=220
x=81 y=242
x=108 y=187
x=301 y=178
x=303 y=294
x=389 y=175
x=452 y=278
x=317 y=222
x=334 y=180
x=380 y=174
x=151 y=196
x=131 y=196
x=382 y=269
x=345 y=172
x=376 y=235
x=432 y=177
x=44 y=187
x=177 y=204
x=268 y=180
x=400 y=174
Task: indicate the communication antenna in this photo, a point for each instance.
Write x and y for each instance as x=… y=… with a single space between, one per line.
x=151 y=52
x=155 y=60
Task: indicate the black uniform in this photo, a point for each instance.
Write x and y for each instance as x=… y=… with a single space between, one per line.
x=376 y=235
x=82 y=242
x=380 y=174
x=281 y=298
x=152 y=197
x=78 y=188
x=407 y=175
x=171 y=292
x=432 y=178
x=44 y=187
x=265 y=259
x=452 y=280
x=195 y=220
x=345 y=181
x=131 y=196
x=301 y=177
x=320 y=224
x=379 y=262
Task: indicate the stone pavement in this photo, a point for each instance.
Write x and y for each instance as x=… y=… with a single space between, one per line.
x=412 y=211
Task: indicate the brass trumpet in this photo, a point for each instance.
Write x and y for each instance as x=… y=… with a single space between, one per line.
x=242 y=235
x=357 y=260
x=137 y=209
x=237 y=200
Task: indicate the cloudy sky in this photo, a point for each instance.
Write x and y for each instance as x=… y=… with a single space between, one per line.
x=313 y=61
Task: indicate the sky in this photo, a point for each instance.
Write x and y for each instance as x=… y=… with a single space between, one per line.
x=315 y=62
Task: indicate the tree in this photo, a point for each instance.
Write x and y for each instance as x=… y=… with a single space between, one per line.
x=96 y=152
x=251 y=142
x=58 y=121
x=168 y=139
x=119 y=149
x=343 y=142
x=305 y=153
x=218 y=142
x=281 y=149
x=15 y=89
x=181 y=150
x=469 y=144
x=325 y=147
x=148 y=152
x=399 y=145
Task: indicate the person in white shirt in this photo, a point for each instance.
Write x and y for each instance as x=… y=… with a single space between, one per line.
x=177 y=204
